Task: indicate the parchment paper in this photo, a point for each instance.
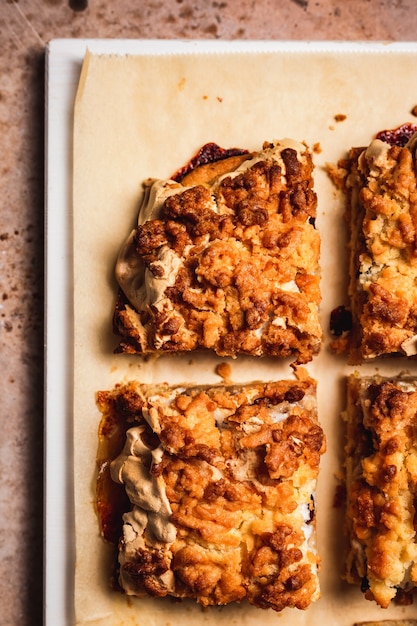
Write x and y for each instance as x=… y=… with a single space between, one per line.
x=143 y=116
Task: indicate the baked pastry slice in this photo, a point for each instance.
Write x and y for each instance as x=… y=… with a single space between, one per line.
x=221 y=491
x=381 y=483
x=225 y=259
x=380 y=183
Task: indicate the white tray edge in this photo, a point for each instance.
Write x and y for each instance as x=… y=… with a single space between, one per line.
x=63 y=62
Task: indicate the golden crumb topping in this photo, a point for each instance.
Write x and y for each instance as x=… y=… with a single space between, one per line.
x=381 y=185
x=220 y=484
x=381 y=481
x=230 y=265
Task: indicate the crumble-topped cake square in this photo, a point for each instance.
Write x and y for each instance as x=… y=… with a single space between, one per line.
x=220 y=484
x=380 y=183
x=225 y=258
x=381 y=483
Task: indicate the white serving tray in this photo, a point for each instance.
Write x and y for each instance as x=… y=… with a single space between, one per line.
x=63 y=65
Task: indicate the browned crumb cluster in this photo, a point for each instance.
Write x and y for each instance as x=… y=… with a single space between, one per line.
x=380 y=183
x=229 y=264
x=381 y=486
x=220 y=483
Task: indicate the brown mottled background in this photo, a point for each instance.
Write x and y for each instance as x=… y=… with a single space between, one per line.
x=25 y=27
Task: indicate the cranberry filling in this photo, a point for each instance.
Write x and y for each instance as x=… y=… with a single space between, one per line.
x=398 y=136
x=340 y=321
x=209 y=153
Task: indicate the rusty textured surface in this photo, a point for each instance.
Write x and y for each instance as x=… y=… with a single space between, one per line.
x=25 y=27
